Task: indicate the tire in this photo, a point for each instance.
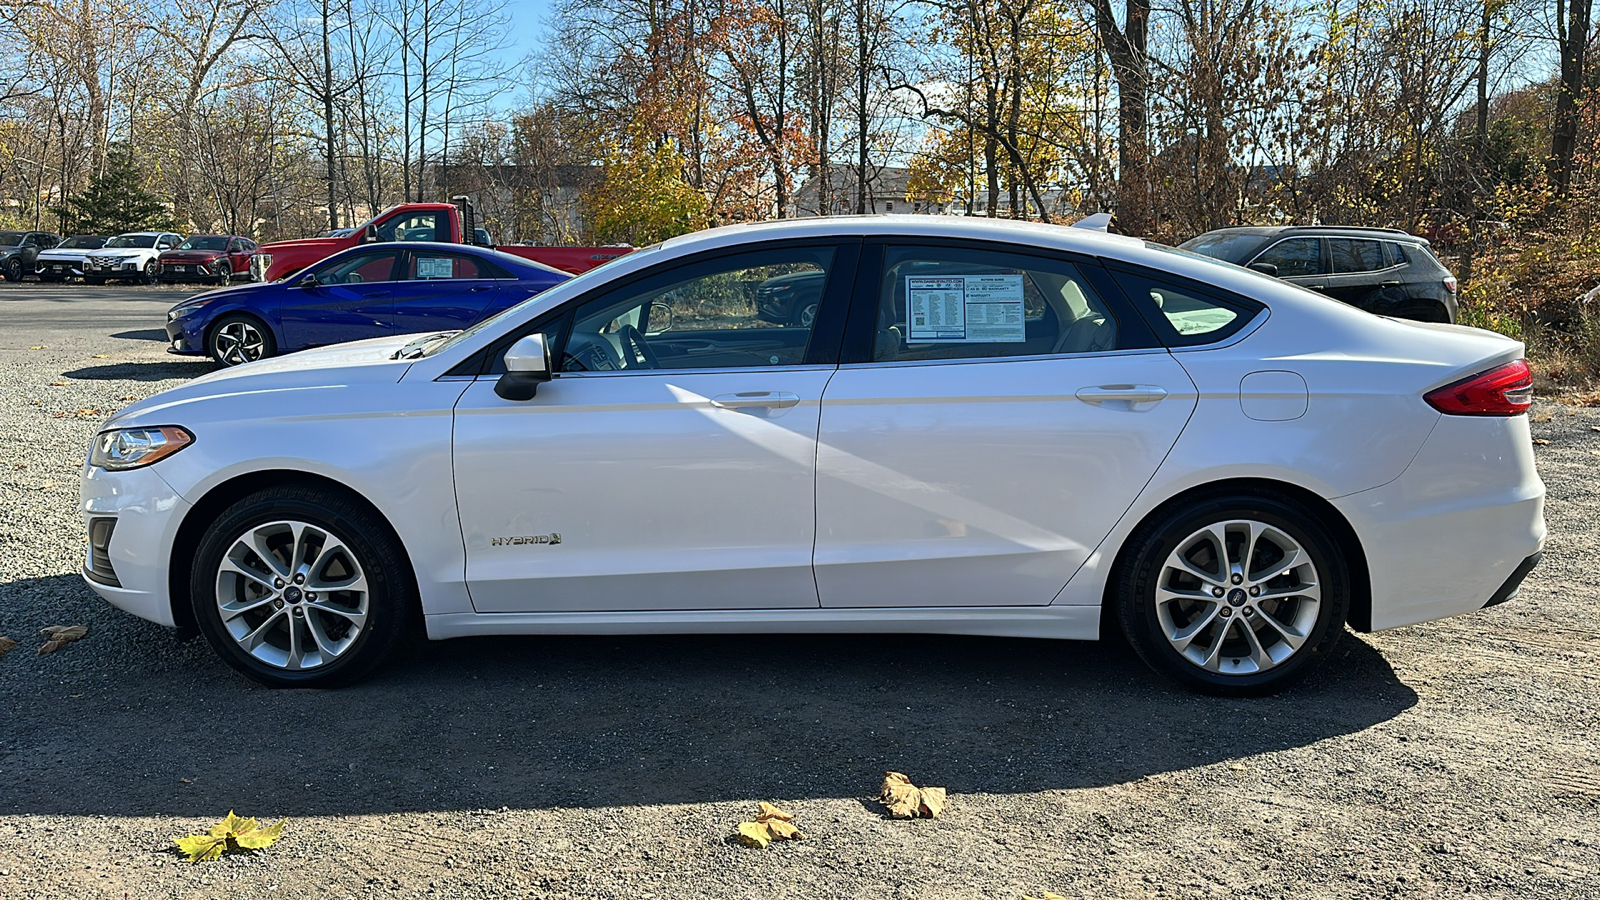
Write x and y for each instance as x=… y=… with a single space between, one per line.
x=265 y=615
x=1240 y=643
x=236 y=339
x=224 y=273
x=14 y=270
x=806 y=314
x=149 y=276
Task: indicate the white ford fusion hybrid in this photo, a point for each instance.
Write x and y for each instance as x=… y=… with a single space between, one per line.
x=987 y=428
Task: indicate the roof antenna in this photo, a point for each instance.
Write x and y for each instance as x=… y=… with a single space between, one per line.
x=1096 y=222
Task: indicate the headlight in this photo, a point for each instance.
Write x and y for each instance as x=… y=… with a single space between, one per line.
x=130 y=448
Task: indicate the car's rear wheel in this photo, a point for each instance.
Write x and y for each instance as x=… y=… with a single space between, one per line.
x=299 y=587
x=1239 y=595
x=237 y=339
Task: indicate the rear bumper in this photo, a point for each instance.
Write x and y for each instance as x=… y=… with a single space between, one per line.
x=1513 y=585
x=1458 y=529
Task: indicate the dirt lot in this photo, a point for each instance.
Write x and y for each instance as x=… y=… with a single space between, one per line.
x=1445 y=759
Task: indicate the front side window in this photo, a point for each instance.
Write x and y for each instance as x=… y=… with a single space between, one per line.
x=1354 y=255
x=959 y=303
x=83 y=242
x=423 y=226
x=1294 y=257
x=357 y=268
x=129 y=241
x=444 y=266
x=716 y=313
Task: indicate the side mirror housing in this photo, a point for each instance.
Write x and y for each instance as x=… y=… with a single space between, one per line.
x=1265 y=269
x=660 y=318
x=369 y=235
x=527 y=367
x=308 y=281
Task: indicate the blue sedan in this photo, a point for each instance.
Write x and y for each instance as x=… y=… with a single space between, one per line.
x=365 y=292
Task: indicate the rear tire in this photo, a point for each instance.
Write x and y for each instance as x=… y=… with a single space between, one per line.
x=329 y=599
x=1247 y=621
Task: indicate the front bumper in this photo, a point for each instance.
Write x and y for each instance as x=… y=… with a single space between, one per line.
x=129 y=269
x=57 y=268
x=147 y=512
x=186 y=338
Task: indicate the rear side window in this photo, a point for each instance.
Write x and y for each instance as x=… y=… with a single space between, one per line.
x=1355 y=255
x=969 y=303
x=1397 y=252
x=1186 y=315
x=444 y=266
x=1294 y=257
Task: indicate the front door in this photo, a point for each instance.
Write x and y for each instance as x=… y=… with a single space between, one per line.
x=1009 y=415
x=347 y=298
x=670 y=464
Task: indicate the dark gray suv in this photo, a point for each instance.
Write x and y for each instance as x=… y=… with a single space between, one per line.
x=1381 y=270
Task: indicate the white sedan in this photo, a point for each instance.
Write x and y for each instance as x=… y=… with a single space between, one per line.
x=988 y=428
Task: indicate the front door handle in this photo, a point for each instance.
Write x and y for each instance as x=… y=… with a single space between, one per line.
x=378 y=293
x=481 y=287
x=1134 y=397
x=754 y=399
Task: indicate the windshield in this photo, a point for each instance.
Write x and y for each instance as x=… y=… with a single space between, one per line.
x=10 y=238
x=514 y=311
x=132 y=240
x=83 y=242
x=207 y=242
x=1228 y=246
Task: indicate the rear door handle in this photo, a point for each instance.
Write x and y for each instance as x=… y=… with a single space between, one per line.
x=1132 y=397
x=755 y=399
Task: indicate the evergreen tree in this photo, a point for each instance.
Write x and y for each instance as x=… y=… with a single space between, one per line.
x=114 y=202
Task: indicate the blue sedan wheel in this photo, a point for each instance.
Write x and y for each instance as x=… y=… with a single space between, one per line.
x=236 y=340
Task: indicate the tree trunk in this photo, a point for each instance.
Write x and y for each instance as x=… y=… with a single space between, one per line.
x=1130 y=63
x=1572 y=39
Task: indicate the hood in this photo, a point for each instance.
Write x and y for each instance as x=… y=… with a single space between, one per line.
x=71 y=253
x=222 y=294
x=358 y=362
x=327 y=245
x=192 y=255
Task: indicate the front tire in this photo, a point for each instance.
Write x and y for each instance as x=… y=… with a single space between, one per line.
x=237 y=339
x=224 y=273
x=1240 y=595
x=149 y=276
x=14 y=270
x=295 y=586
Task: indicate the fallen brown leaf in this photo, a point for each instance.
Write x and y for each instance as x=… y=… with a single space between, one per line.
x=905 y=800
x=6 y=644
x=58 y=384
x=1540 y=441
x=41 y=347
x=771 y=824
x=84 y=413
x=102 y=356
x=61 y=635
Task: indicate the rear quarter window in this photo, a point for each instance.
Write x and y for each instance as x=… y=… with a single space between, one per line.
x=1185 y=313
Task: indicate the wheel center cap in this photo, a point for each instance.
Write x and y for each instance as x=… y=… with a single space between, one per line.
x=1236 y=597
x=292 y=595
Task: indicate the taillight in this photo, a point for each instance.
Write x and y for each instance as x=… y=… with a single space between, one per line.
x=1450 y=283
x=1503 y=391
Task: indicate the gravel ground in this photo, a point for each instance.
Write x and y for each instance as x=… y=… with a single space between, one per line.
x=1444 y=759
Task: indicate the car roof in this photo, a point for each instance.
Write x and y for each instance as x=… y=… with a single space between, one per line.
x=1321 y=230
x=469 y=249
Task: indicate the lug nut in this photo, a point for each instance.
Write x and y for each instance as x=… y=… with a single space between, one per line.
x=1255 y=591
x=1247 y=611
x=311 y=595
x=1237 y=578
x=299 y=612
x=301 y=579
x=1226 y=612
x=277 y=582
x=277 y=604
x=1216 y=592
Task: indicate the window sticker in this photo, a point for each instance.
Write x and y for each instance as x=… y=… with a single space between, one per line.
x=434 y=267
x=965 y=308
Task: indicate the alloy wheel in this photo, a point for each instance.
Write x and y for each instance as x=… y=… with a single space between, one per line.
x=1238 y=597
x=292 y=595
x=239 y=342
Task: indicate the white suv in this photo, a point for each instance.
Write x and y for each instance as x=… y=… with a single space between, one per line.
x=129 y=256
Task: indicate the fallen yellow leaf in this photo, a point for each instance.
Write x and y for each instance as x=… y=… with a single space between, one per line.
x=102 y=356
x=771 y=824
x=755 y=834
x=905 y=800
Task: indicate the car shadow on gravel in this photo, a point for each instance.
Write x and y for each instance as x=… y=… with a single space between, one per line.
x=146 y=334
x=129 y=721
x=142 y=371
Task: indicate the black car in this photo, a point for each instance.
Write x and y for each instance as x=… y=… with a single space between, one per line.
x=790 y=299
x=19 y=250
x=1381 y=270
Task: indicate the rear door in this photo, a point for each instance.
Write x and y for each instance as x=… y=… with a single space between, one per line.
x=347 y=298
x=1004 y=410
x=1359 y=271
x=440 y=290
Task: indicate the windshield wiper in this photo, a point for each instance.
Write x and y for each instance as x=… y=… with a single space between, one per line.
x=419 y=347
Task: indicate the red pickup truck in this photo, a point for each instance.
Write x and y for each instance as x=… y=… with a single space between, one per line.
x=416 y=222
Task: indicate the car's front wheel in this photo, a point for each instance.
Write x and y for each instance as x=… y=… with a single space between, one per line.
x=149 y=276
x=238 y=339
x=1239 y=595
x=298 y=587
x=14 y=270
x=224 y=273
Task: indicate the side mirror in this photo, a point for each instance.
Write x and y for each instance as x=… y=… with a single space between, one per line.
x=1265 y=269
x=310 y=281
x=660 y=318
x=527 y=367
x=369 y=235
